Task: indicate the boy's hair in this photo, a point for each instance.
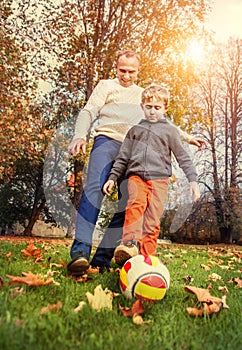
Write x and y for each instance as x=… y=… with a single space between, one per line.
x=127 y=53
x=155 y=93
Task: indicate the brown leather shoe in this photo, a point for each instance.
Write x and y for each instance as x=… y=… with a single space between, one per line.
x=78 y=266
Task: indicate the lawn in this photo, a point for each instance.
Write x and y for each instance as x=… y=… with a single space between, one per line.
x=43 y=317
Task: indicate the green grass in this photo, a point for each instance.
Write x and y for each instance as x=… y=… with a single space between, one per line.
x=168 y=325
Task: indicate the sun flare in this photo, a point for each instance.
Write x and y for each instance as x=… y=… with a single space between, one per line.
x=195 y=51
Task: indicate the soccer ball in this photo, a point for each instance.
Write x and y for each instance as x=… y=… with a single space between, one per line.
x=144 y=277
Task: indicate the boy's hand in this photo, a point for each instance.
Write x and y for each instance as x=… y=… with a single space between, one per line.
x=195 y=191
x=107 y=187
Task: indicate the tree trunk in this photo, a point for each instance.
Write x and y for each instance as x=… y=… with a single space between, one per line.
x=34 y=217
x=38 y=205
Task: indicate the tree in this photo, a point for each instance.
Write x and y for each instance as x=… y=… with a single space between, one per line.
x=71 y=44
x=220 y=92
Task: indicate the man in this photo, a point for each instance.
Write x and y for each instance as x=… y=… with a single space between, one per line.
x=117 y=103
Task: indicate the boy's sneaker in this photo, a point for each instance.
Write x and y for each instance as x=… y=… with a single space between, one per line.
x=125 y=251
x=78 y=265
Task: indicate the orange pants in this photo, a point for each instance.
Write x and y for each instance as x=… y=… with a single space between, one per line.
x=144 y=209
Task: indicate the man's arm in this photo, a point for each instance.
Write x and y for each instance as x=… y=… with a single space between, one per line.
x=195 y=141
x=86 y=118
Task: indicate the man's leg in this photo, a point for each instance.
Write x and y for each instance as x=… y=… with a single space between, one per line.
x=113 y=234
x=101 y=159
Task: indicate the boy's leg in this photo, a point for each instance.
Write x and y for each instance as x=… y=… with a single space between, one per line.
x=133 y=224
x=156 y=200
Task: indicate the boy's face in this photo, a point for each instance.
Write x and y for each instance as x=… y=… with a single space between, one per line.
x=154 y=110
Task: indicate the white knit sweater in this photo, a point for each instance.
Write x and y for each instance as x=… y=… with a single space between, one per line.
x=118 y=109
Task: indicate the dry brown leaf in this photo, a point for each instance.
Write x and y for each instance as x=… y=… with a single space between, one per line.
x=203 y=295
x=30 y=279
x=205 y=267
x=93 y=270
x=193 y=311
x=237 y=281
x=8 y=255
x=224 y=290
x=210 y=304
x=214 y=277
x=188 y=279
x=100 y=299
x=16 y=291
x=63 y=263
x=51 y=307
x=137 y=309
x=82 y=278
x=32 y=251
x=126 y=311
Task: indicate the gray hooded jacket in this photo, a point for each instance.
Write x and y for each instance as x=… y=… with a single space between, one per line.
x=146 y=152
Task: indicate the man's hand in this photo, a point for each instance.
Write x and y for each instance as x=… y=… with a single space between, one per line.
x=201 y=144
x=76 y=145
x=194 y=191
x=107 y=187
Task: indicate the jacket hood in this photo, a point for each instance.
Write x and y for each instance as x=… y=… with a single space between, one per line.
x=145 y=121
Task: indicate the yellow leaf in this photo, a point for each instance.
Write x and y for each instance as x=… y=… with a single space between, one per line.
x=79 y=307
x=100 y=299
x=138 y=320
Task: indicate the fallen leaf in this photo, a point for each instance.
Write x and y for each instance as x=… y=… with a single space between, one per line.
x=79 y=307
x=224 y=290
x=138 y=320
x=205 y=267
x=100 y=299
x=137 y=309
x=19 y=323
x=126 y=311
x=30 y=279
x=193 y=311
x=16 y=291
x=93 y=270
x=236 y=281
x=32 y=251
x=203 y=295
x=51 y=307
x=8 y=255
x=210 y=304
x=82 y=278
x=188 y=279
x=214 y=277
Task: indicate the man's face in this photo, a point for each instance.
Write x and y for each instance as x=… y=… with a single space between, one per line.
x=127 y=69
x=154 y=110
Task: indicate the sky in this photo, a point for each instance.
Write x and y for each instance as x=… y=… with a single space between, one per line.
x=225 y=19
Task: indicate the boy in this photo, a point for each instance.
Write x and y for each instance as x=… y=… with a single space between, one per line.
x=145 y=158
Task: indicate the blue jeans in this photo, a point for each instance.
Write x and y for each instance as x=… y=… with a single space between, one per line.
x=103 y=154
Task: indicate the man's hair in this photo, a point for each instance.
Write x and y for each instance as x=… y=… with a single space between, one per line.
x=155 y=93
x=127 y=53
